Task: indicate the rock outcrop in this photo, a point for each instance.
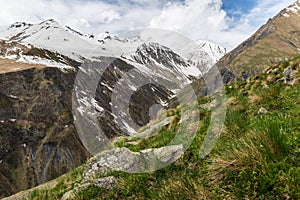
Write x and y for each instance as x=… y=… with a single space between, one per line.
x=122 y=159
x=289 y=74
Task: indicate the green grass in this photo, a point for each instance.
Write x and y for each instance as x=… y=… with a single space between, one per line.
x=164 y=137
x=258 y=155
x=64 y=184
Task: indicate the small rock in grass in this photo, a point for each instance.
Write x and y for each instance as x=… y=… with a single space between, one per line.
x=262 y=110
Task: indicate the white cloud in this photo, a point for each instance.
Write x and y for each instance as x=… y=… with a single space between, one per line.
x=205 y=14
x=197 y=19
x=87 y=16
x=76 y=13
x=207 y=21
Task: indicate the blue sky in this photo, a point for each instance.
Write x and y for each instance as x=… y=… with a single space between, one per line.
x=225 y=22
x=236 y=8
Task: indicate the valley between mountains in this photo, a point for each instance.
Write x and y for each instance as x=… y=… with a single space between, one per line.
x=45 y=154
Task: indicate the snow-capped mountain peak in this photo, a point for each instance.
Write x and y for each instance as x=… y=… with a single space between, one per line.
x=153 y=52
x=50 y=35
x=91 y=36
x=21 y=30
x=212 y=49
x=164 y=62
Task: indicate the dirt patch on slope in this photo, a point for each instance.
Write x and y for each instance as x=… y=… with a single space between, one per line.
x=7 y=65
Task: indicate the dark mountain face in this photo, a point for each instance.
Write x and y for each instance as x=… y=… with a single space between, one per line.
x=150 y=53
x=277 y=40
x=37 y=137
x=141 y=100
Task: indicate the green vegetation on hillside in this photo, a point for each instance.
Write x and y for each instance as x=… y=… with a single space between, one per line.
x=256 y=157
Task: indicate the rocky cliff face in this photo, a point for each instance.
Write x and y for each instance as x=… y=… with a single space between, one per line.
x=38 y=139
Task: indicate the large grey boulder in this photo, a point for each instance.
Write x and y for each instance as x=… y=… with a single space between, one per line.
x=122 y=159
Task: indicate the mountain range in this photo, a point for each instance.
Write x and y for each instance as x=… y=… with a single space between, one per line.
x=39 y=67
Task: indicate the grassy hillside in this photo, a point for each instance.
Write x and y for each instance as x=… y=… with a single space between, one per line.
x=256 y=157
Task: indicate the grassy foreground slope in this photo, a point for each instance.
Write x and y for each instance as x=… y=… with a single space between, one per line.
x=256 y=157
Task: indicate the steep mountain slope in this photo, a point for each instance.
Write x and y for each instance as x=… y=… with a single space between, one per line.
x=277 y=40
x=212 y=49
x=25 y=53
x=157 y=57
x=209 y=53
